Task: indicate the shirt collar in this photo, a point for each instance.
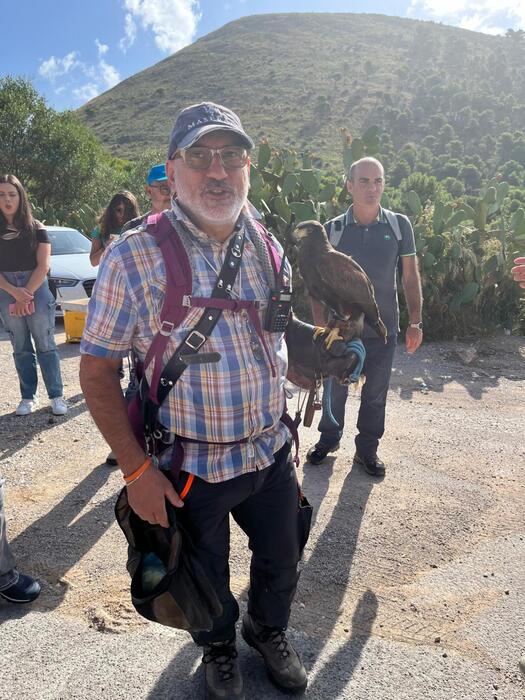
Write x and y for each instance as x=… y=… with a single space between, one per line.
x=380 y=218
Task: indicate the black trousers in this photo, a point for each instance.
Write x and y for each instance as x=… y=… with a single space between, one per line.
x=264 y=504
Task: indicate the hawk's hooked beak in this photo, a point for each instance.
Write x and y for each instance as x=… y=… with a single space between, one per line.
x=298 y=234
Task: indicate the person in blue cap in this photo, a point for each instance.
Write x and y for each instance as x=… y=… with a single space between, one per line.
x=158 y=192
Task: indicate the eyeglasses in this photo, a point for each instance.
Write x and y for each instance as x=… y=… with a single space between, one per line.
x=163 y=189
x=200 y=157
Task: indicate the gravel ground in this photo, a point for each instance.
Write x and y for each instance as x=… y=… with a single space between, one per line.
x=411 y=587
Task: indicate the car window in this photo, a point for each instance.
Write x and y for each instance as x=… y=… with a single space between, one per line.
x=68 y=241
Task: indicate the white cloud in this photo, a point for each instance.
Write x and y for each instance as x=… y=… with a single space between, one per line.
x=173 y=22
x=130 y=33
x=477 y=23
x=101 y=48
x=86 y=92
x=101 y=75
x=108 y=74
x=479 y=15
x=53 y=68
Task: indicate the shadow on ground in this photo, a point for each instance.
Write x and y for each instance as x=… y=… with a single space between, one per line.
x=54 y=543
x=478 y=366
x=18 y=431
x=177 y=680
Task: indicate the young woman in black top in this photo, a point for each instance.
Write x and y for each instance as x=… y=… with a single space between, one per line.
x=27 y=307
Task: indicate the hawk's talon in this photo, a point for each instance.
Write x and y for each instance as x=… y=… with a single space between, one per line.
x=332 y=336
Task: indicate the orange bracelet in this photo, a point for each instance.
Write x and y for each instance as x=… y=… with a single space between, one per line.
x=130 y=478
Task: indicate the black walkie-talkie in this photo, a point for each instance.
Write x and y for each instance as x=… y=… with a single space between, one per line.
x=280 y=299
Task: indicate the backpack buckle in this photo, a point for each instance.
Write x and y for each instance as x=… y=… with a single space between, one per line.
x=195 y=340
x=167 y=328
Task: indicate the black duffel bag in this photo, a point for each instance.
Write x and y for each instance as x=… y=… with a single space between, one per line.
x=168 y=584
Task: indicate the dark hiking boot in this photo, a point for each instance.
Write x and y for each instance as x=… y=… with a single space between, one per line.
x=372 y=465
x=222 y=675
x=25 y=590
x=283 y=664
x=318 y=453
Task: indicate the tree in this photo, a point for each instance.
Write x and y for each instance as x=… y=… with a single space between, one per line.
x=409 y=154
x=427 y=187
x=471 y=177
x=52 y=153
x=513 y=173
x=505 y=147
x=23 y=115
x=454 y=186
x=400 y=171
x=517 y=35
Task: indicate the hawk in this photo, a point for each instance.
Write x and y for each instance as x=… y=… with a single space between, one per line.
x=336 y=280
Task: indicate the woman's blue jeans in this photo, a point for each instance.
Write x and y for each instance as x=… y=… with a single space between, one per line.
x=38 y=328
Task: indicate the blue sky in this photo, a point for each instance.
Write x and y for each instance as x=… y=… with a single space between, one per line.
x=73 y=51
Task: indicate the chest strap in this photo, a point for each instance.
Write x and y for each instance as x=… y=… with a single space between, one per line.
x=164 y=377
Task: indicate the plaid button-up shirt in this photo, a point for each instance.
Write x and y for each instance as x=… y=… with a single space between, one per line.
x=234 y=399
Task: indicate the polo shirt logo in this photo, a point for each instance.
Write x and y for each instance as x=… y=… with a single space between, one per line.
x=387 y=236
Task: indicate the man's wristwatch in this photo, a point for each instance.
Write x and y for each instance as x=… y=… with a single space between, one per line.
x=419 y=325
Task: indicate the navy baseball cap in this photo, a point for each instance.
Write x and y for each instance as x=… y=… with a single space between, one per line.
x=157 y=173
x=197 y=120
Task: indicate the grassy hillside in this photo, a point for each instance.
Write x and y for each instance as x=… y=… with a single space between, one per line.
x=298 y=78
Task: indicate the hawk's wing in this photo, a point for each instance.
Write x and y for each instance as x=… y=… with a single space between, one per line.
x=345 y=283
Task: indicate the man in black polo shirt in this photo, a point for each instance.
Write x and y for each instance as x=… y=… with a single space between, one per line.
x=376 y=239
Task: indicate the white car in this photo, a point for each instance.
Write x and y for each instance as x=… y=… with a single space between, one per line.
x=72 y=276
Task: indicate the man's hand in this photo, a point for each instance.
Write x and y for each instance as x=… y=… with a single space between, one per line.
x=413 y=339
x=412 y=288
x=147 y=496
x=518 y=272
x=101 y=386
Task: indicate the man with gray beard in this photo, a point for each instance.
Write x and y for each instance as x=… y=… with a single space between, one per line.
x=227 y=412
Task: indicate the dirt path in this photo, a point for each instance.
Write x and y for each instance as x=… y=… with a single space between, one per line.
x=432 y=557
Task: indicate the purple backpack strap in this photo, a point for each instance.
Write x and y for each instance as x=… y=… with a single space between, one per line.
x=178 y=270
x=178 y=286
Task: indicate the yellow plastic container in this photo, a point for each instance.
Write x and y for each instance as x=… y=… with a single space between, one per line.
x=75 y=313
